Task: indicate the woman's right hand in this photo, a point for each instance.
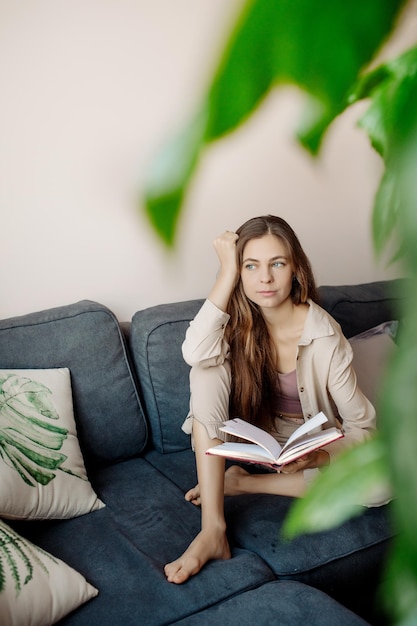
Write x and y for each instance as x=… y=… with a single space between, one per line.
x=225 y=247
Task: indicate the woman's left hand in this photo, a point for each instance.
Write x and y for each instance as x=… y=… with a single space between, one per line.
x=318 y=458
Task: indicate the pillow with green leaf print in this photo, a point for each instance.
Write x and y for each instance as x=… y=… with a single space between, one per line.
x=42 y=470
x=35 y=587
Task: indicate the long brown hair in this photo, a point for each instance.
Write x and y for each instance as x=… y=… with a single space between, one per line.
x=253 y=355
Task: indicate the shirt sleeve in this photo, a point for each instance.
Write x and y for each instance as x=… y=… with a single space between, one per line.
x=204 y=343
x=356 y=412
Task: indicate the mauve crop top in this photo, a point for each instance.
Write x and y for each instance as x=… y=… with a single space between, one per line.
x=287 y=399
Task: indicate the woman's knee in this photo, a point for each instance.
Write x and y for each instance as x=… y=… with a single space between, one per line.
x=210 y=392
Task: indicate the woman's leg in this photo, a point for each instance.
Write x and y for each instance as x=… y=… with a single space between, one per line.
x=211 y=542
x=210 y=389
x=293 y=483
x=238 y=481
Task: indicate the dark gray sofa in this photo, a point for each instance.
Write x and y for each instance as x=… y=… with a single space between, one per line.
x=130 y=393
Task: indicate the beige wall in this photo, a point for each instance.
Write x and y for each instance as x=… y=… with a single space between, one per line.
x=89 y=90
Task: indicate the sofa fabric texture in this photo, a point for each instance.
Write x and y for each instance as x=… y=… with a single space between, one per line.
x=130 y=390
x=86 y=338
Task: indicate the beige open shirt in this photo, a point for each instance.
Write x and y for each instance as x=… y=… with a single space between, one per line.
x=325 y=377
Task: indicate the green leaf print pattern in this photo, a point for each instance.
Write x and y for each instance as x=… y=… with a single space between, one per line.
x=19 y=556
x=30 y=443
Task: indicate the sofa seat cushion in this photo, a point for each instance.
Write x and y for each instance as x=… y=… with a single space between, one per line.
x=178 y=467
x=255 y=521
x=86 y=338
x=280 y=602
x=123 y=548
x=339 y=561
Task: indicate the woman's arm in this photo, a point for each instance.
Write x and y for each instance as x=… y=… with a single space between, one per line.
x=355 y=410
x=225 y=246
x=204 y=343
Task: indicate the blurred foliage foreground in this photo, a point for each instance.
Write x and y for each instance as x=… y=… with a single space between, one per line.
x=323 y=49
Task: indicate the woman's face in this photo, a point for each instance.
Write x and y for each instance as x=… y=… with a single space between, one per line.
x=266 y=272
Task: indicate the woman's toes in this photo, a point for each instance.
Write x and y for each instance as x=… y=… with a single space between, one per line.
x=193 y=495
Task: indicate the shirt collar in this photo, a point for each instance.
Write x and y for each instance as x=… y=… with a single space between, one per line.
x=317 y=324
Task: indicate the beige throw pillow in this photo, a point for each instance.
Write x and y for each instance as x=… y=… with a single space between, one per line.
x=36 y=588
x=371 y=353
x=41 y=466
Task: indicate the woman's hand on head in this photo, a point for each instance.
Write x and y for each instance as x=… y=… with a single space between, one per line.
x=225 y=247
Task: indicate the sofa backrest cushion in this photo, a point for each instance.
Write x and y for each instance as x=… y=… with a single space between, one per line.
x=86 y=338
x=156 y=337
x=358 y=308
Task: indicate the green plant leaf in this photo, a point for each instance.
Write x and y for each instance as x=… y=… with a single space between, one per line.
x=169 y=174
x=293 y=41
x=399 y=589
x=399 y=427
x=388 y=87
x=391 y=122
x=357 y=476
x=319 y=48
x=385 y=211
x=391 y=88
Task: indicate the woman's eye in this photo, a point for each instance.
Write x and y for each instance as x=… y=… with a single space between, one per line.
x=278 y=264
x=250 y=266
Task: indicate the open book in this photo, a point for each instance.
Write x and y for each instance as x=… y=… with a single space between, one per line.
x=266 y=450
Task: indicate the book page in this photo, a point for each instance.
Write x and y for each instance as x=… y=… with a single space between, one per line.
x=249 y=452
x=308 y=443
x=309 y=425
x=240 y=428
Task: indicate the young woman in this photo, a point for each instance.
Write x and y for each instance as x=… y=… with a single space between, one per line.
x=261 y=348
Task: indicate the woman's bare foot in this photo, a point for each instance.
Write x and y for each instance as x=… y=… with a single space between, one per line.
x=206 y=546
x=193 y=495
x=232 y=479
